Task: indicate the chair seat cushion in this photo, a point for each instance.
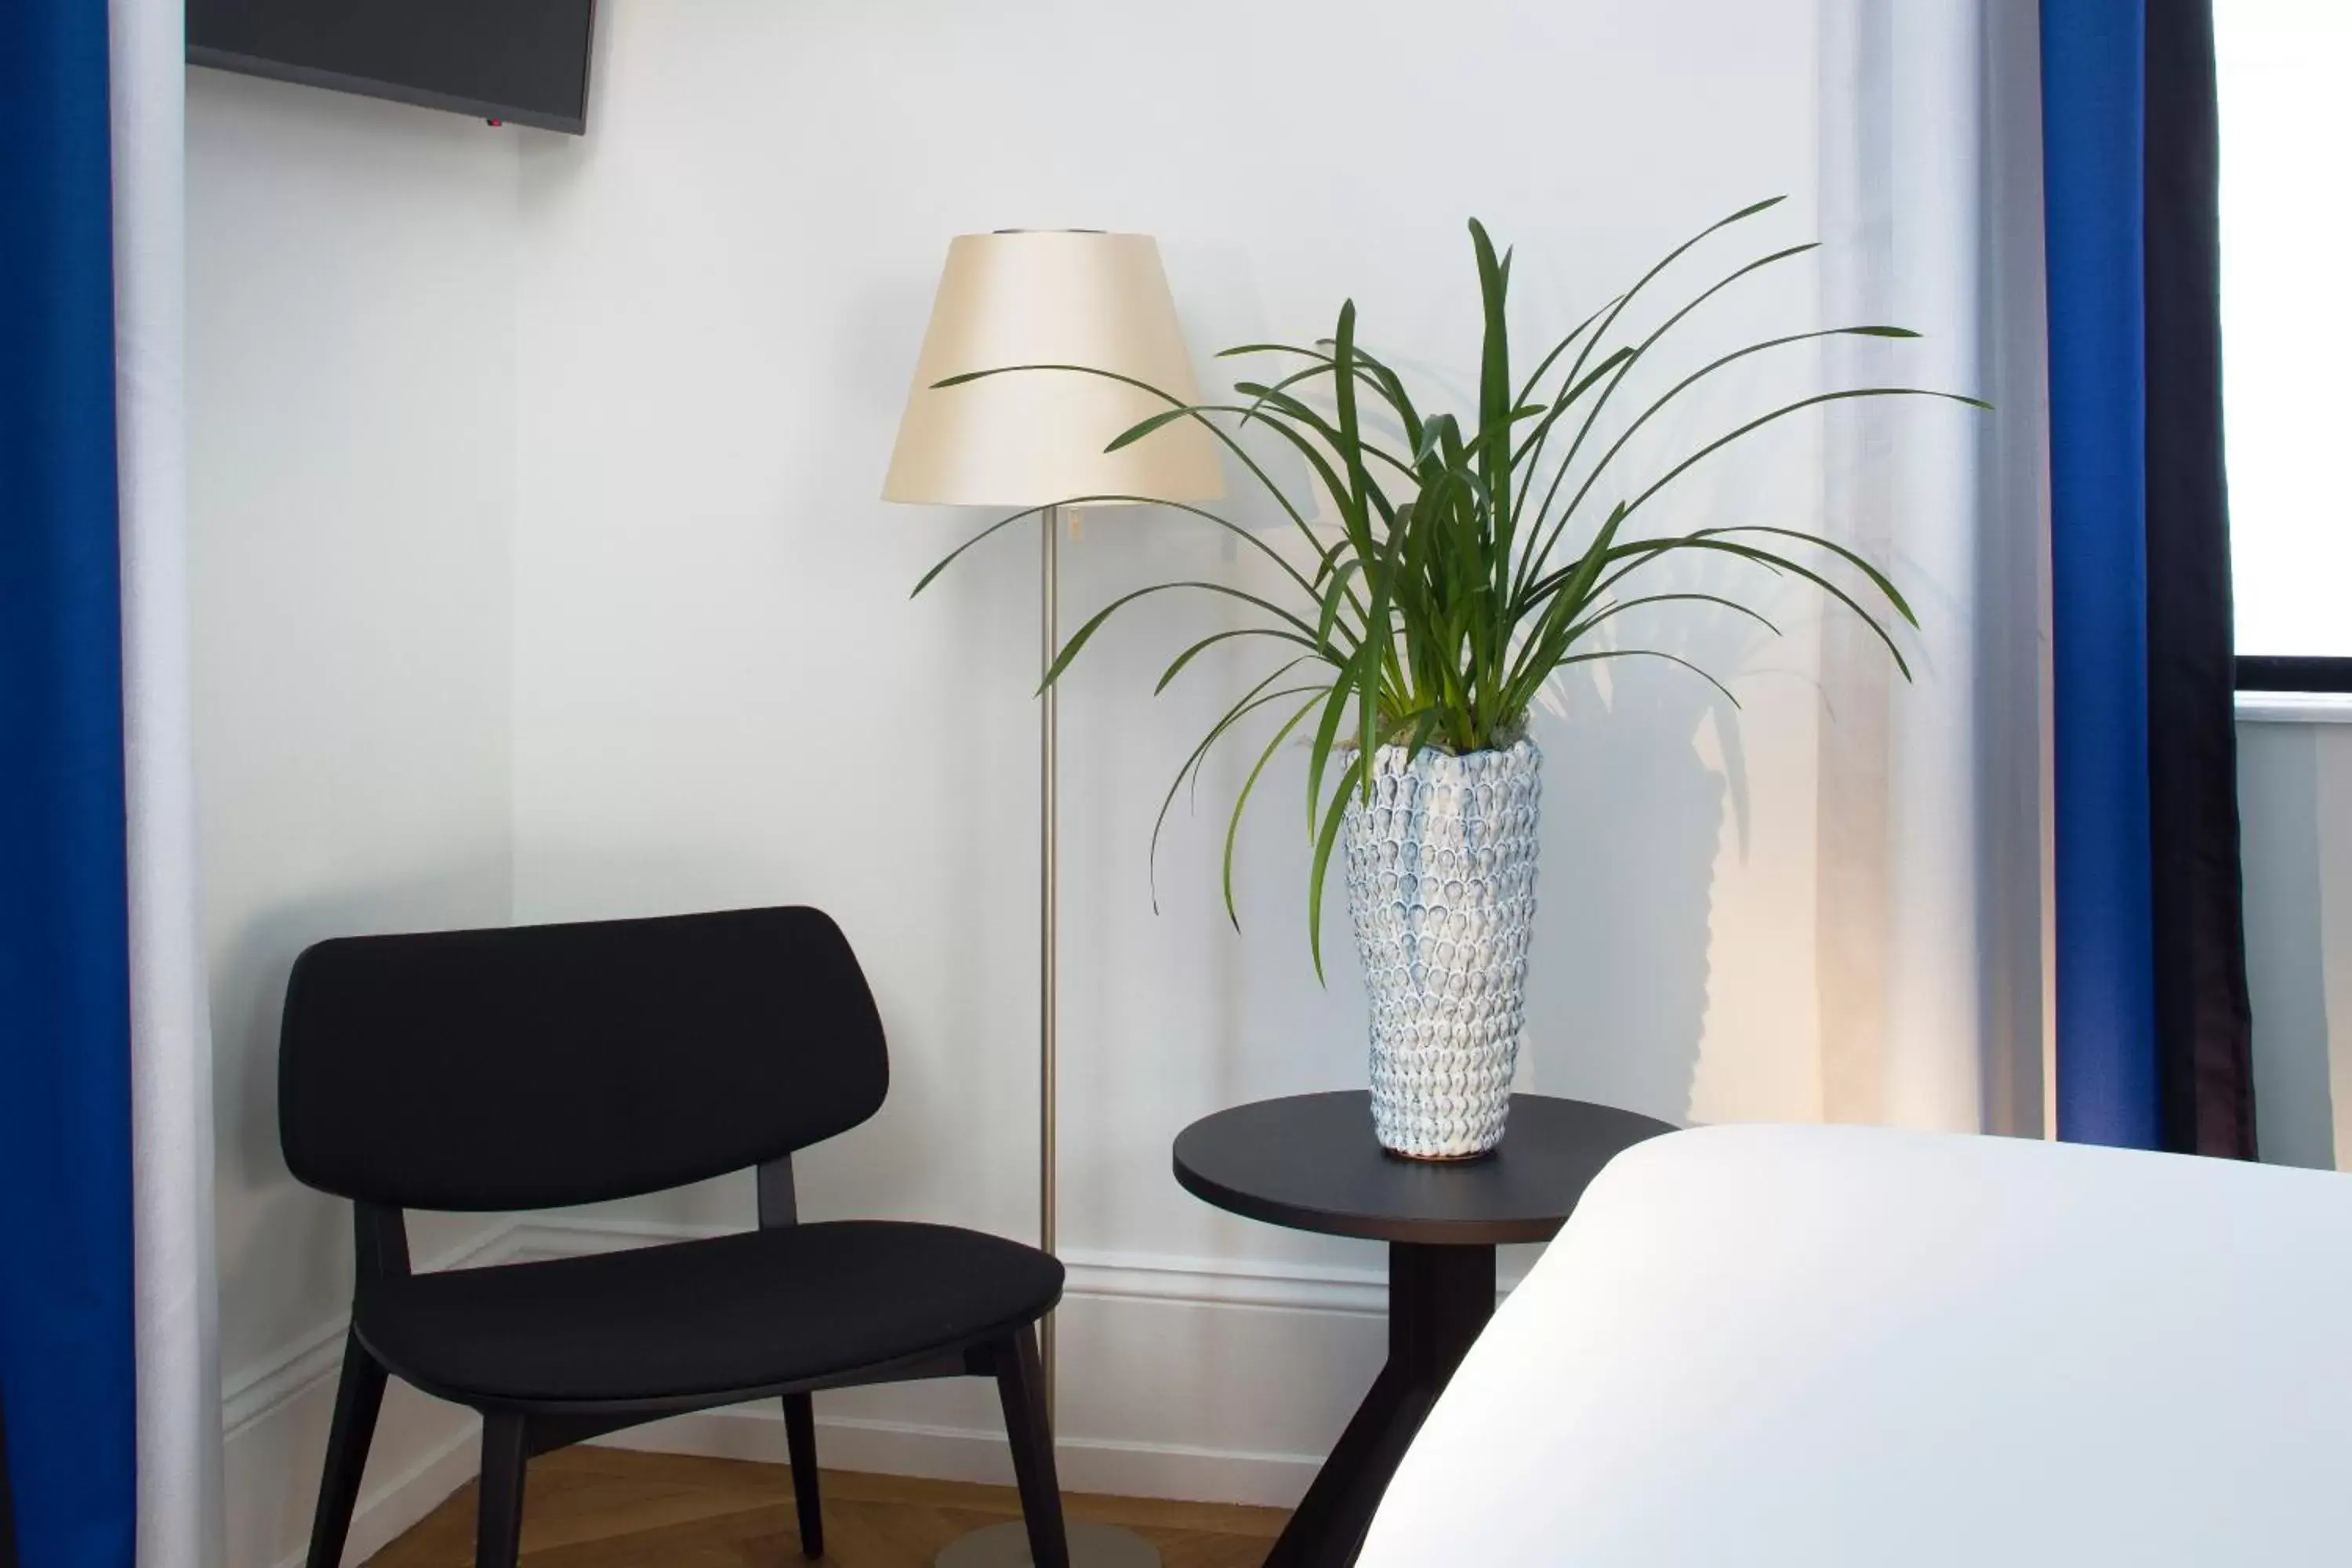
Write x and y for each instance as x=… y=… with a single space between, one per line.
x=698 y=1318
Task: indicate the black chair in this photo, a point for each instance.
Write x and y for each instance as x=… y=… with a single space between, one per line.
x=550 y=1064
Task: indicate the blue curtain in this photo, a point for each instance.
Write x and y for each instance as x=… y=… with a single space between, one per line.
x=2154 y=1026
x=2091 y=52
x=65 y=1363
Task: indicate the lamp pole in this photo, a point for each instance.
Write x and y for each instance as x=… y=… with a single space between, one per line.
x=973 y=438
x=1049 y=888
x=1092 y=1545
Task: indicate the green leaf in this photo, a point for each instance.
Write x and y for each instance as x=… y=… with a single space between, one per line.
x=1257 y=697
x=1224 y=438
x=1247 y=536
x=1878 y=580
x=1621 y=605
x=1333 y=816
x=1679 y=469
x=949 y=558
x=1287 y=406
x=1239 y=349
x=1189 y=654
x=1327 y=734
x=1136 y=432
x=1600 y=403
x=1240 y=803
x=1093 y=623
x=1335 y=593
x=1626 y=436
x=1783 y=563
x=1654 y=653
x=1543 y=367
x=1652 y=275
x=1495 y=399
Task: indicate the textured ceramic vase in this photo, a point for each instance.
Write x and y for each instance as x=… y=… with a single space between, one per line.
x=1442 y=887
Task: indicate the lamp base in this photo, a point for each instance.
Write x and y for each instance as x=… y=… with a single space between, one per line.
x=1006 y=1545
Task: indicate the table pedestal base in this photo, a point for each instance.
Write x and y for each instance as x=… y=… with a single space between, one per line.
x=1439 y=1299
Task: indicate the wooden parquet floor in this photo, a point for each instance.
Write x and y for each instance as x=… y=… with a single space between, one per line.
x=612 y=1507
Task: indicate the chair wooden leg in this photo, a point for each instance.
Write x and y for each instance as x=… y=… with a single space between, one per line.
x=359 y=1395
x=1021 y=1385
x=800 y=1436
x=497 y=1536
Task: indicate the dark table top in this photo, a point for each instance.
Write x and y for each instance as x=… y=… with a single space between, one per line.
x=1310 y=1163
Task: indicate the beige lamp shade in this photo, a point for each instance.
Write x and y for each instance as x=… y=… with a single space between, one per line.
x=1050 y=298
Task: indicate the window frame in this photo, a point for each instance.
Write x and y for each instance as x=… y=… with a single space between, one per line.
x=2266 y=672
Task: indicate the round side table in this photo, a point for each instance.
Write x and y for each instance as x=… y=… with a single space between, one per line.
x=1310 y=1163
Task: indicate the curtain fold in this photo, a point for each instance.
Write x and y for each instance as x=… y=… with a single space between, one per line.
x=66 y=1335
x=2204 y=1025
x=109 y=1384
x=1930 y=911
x=2093 y=160
x=176 y=1305
x=2154 y=1032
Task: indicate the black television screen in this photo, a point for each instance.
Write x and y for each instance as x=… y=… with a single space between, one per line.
x=524 y=60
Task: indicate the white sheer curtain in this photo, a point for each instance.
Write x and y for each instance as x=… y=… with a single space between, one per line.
x=1931 y=939
x=171 y=1069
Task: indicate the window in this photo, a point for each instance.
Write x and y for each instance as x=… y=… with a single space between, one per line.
x=2285 y=79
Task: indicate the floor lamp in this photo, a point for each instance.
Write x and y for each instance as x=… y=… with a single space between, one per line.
x=1068 y=297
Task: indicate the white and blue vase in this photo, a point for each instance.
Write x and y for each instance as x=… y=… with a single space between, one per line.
x=1442 y=888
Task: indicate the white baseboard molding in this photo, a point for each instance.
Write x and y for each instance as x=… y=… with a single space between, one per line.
x=272 y=1411
x=271 y=1472
x=385 y=1512
x=261 y=1389
x=274 y=1418
x=959 y=1454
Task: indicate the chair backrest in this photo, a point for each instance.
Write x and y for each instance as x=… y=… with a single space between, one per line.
x=565 y=1064
x=1848 y=1347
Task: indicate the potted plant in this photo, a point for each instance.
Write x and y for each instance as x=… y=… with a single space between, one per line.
x=1475 y=558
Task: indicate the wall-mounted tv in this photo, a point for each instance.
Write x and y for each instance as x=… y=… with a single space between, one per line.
x=519 y=60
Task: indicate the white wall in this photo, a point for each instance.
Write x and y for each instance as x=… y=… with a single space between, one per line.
x=542 y=576
x=723 y=695
x=351 y=396
x=2295 y=803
